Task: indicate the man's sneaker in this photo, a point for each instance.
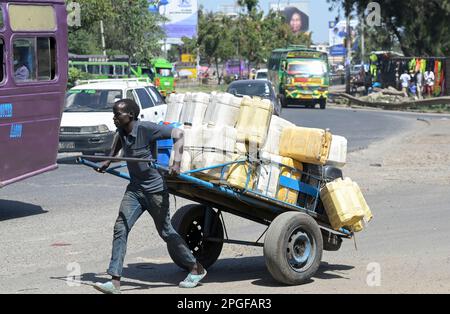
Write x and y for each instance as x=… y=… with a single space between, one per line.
x=107 y=288
x=192 y=281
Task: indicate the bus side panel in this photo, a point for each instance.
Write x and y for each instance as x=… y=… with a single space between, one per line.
x=29 y=143
x=30 y=114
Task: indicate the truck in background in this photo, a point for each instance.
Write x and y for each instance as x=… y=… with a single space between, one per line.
x=300 y=75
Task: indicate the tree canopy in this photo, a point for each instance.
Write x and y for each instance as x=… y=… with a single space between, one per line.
x=420 y=27
x=129 y=29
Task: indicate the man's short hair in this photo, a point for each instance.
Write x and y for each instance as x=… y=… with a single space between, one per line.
x=130 y=107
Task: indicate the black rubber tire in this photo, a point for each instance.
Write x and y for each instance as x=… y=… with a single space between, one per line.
x=283 y=101
x=188 y=221
x=277 y=249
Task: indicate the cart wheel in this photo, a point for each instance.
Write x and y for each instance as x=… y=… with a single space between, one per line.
x=293 y=248
x=189 y=222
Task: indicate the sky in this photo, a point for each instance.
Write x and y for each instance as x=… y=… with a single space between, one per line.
x=319 y=14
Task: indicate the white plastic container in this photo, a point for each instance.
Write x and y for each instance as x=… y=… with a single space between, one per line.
x=194 y=108
x=211 y=107
x=223 y=110
x=268 y=175
x=277 y=125
x=254 y=120
x=174 y=108
x=218 y=147
x=338 y=151
x=192 y=147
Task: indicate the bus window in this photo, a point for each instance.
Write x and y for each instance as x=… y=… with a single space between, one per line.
x=46 y=53
x=38 y=18
x=164 y=72
x=2 y=63
x=1 y=18
x=93 y=69
x=24 y=59
x=81 y=67
x=34 y=59
x=118 y=70
x=107 y=70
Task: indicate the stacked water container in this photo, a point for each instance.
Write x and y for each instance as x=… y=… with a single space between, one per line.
x=343 y=200
x=268 y=173
x=219 y=135
x=252 y=126
x=221 y=128
x=174 y=107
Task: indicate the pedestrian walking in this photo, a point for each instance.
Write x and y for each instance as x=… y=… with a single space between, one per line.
x=405 y=79
x=419 y=83
x=147 y=191
x=429 y=82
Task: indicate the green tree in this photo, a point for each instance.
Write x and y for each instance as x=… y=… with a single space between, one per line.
x=214 y=41
x=249 y=4
x=86 y=39
x=134 y=30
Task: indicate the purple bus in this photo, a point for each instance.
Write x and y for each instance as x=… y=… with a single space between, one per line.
x=33 y=80
x=236 y=67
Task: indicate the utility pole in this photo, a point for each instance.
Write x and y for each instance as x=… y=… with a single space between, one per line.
x=363 y=37
x=102 y=32
x=348 y=59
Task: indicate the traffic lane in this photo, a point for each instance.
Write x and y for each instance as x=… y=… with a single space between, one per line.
x=360 y=127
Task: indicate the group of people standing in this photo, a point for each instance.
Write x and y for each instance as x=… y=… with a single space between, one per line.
x=418 y=83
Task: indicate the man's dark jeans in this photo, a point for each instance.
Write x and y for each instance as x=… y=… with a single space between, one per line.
x=134 y=203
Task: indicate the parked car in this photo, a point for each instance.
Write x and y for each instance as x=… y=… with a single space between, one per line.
x=87 y=123
x=260 y=88
x=261 y=74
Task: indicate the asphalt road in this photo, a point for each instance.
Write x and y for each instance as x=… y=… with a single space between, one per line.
x=59 y=225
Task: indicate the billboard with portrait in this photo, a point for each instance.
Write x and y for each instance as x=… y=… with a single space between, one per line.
x=182 y=19
x=296 y=14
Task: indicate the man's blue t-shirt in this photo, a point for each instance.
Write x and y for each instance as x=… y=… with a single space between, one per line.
x=141 y=143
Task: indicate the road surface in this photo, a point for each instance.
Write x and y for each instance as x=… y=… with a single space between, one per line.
x=59 y=225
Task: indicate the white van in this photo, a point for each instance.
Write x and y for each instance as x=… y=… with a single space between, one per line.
x=261 y=74
x=87 y=122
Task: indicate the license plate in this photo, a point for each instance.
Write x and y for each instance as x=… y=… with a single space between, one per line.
x=167 y=84
x=66 y=145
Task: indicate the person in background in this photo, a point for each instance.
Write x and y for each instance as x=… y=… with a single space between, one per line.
x=21 y=71
x=405 y=79
x=429 y=82
x=419 y=83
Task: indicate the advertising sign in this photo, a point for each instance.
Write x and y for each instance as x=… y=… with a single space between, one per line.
x=296 y=13
x=338 y=33
x=182 y=19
